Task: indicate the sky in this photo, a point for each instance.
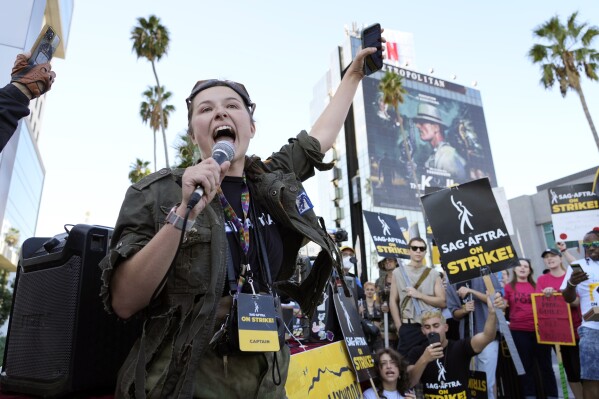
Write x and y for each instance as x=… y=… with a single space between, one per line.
x=92 y=131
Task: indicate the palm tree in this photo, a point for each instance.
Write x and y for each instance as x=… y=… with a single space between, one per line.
x=149 y=110
x=567 y=54
x=150 y=41
x=391 y=86
x=139 y=170
x=12 y=237
x=187 y=151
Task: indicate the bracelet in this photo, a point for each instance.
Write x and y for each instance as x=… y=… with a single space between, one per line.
x=570 y=284
x=177 y=221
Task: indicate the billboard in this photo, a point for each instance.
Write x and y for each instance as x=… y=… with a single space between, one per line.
x=437 y=139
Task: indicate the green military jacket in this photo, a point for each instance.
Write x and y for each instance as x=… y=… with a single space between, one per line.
x=196 y=282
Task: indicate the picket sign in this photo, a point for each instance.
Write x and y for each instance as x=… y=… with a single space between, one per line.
x=503 y=327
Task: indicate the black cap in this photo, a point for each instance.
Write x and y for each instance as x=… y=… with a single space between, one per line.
x=552 y=251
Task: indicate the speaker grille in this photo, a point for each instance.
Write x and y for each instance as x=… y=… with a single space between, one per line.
x=41 y=335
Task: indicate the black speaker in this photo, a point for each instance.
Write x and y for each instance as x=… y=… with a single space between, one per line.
x=60 y=339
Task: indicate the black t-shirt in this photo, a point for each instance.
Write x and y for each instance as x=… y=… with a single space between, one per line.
x=448 y=376
x=270 y=230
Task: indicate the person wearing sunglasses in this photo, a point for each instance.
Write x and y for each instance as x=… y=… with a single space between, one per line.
x=415 y=288
x=180 y=264
x=582 y=282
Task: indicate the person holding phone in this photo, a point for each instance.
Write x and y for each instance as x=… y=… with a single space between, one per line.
x=582 y=284
x=392 y=372
x=468 y=304
x=178 y=265
x=27 y=82
x=442 y=365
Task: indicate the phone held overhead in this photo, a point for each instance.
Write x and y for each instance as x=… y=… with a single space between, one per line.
x=371 y=37
x=44 y=47
x=32 y=73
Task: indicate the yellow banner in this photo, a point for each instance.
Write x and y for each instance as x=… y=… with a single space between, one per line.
x=322 y=373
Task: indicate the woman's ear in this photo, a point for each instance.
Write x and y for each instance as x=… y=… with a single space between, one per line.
x=253 y=129
x=191 y=136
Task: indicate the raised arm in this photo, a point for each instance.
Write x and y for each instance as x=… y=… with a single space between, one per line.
x=482 y=339
x=329 y=123
x=27 y=82
x=564 y=250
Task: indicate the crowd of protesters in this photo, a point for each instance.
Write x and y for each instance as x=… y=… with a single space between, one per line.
x=461 y=314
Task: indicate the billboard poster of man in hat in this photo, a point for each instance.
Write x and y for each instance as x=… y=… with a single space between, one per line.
x=444 y=157
x=445 y=133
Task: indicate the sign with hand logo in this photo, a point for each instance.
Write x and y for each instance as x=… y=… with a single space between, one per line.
x=574 y=211
x=469 y=230
x=388 y=234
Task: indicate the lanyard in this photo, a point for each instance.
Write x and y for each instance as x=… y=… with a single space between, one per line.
x=243 y=229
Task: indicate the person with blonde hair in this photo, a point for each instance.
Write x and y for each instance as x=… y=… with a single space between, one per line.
x=442 y=365
x=371 y=311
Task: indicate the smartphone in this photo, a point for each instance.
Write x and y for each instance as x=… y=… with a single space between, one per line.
x=433 y=338
x=371 y=37
x=44 y=47
x=576 y=267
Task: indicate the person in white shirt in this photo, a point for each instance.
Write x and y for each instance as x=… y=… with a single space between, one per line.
x=584 y=283
x=393 y=381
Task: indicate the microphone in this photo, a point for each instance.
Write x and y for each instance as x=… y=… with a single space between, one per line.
x=221 y=152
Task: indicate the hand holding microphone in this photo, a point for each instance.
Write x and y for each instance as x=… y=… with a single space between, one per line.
x=221 y=152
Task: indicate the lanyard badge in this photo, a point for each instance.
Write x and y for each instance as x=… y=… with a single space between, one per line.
x=257 y=323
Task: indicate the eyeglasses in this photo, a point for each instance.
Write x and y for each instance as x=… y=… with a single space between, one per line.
x=594 y=244
x=237 y=87
x=417 y=249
